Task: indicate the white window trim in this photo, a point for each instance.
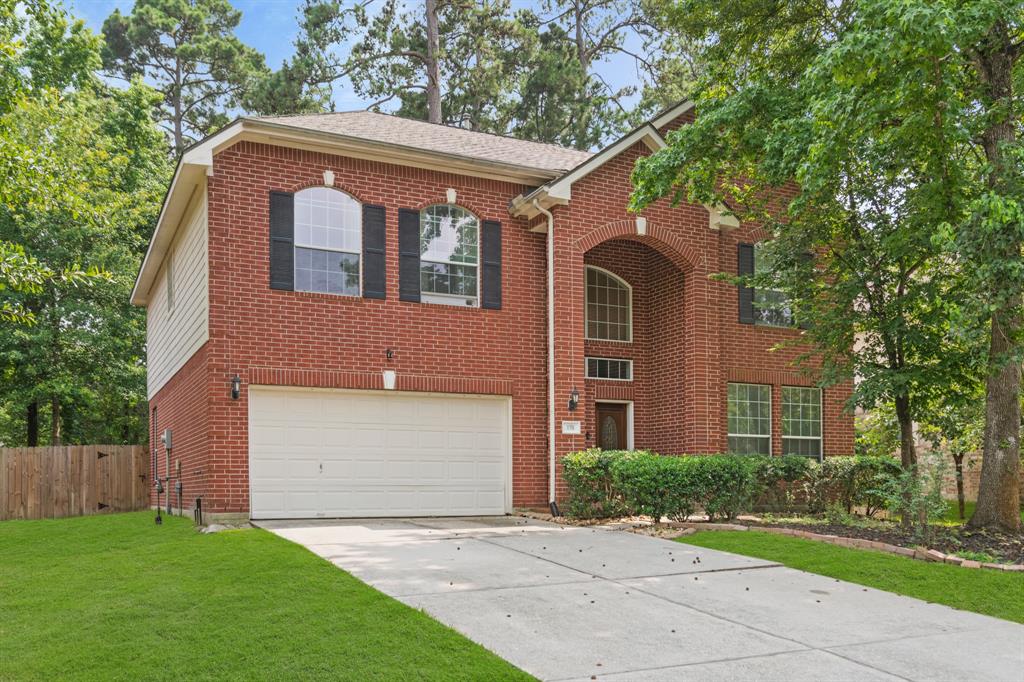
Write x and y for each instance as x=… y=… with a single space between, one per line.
x=586 y=369
x=821 y=420
x=359 y=254
x=452 y=299
x=757 y=321
x=586 y=305
x=771 y=425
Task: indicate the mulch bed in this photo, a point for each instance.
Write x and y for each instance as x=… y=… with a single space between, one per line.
x=946 y=539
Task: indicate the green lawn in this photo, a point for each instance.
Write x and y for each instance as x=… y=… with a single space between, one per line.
x=993 y=593
x=952 y=517
x=117 y=597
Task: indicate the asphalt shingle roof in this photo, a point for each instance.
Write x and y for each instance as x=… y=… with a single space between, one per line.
x=432 y=137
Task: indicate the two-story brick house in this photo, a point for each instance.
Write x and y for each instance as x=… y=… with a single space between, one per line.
x=355 y=315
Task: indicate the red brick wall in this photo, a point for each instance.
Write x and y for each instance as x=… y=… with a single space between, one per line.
x=687 y=343
x=656 y=349
x=703 y=346
x=341 y=341
x=181 y=406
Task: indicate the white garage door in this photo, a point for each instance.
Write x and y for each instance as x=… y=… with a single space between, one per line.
x=329 y=453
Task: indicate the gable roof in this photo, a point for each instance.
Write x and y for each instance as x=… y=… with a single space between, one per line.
x=434 y=137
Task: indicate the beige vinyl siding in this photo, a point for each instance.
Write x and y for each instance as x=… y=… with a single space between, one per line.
x=175 y=332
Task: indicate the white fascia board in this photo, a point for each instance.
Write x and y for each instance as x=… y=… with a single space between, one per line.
x=671 y=114
x=195 y=163
x=559 y=191
x=186 y=178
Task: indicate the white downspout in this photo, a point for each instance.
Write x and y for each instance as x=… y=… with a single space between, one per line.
x=551 y=349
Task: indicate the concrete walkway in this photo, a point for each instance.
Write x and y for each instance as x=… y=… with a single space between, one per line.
x=569 y=603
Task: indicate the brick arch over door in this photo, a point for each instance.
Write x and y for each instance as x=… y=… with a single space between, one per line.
x=662 y=240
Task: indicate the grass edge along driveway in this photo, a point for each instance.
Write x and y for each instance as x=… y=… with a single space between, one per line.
x=992 y=593
x=117 y=597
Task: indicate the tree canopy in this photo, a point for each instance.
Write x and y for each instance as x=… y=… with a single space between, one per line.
x=879 y=112
x=188 y=50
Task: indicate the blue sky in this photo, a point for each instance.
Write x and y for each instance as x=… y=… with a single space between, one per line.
x=270 y=26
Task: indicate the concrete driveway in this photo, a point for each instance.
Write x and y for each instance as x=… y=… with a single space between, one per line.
x=570 y=603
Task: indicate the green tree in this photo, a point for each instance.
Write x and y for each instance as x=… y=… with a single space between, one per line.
x=480 y=66
x=880 y=112
x=84 y=357
x=957 y=427
x=444 y=62
x=187 y=49
x=556 y=96
x=41 y=53
x=83 y=169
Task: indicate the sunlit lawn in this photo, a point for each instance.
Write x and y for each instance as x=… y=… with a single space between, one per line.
x=116 y=597
x=990 y=592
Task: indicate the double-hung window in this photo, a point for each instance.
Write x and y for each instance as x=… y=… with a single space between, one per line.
x=801 y=421
x=750 y=419
x=328 y=241
x=771 y=306
x=449 y=255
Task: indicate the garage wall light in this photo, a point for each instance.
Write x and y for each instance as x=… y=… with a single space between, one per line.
x=236 y=387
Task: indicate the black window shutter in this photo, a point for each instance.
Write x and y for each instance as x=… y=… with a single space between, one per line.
x=745 y=266
x=282 y=239
x=491 y=251
x=408 y=255
x=374 y=261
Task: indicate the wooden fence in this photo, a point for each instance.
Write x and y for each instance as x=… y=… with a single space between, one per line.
x=73 y=480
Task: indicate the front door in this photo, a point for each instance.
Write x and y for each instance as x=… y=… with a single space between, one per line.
x=611 y=426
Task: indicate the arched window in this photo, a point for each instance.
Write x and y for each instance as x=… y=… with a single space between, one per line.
x=328 y=241
x=449 y=241
x=609 y=307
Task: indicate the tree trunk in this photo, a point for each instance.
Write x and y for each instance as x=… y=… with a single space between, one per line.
x=908 y=451
x=55 y=421
x=32 y=424
x=433 y=65
x=999 y=491
x=958 y=465
x=583 y=55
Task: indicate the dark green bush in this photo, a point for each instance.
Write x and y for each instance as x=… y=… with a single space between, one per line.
x=727 y=485
x=609 y=483
x=656 y=485
x=850 y=482
x=588 y=477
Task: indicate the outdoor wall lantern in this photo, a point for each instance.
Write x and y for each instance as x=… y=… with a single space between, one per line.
x=574 y=399
x=236 y=387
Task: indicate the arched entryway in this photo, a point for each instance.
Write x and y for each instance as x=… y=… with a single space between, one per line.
x=634 y=345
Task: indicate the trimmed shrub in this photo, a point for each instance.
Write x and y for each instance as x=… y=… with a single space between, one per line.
x=656 y=485
x=727 y=485
x=589 y=479
x=778 y=476
x=609 y=483
x=850 y=482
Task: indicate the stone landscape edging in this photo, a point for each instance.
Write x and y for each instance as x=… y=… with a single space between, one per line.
x=919 y=553
x=690 y=527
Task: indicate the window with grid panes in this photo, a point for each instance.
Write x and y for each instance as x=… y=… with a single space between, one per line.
x=801 y=421
x=750 y=419
x=608 y=307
